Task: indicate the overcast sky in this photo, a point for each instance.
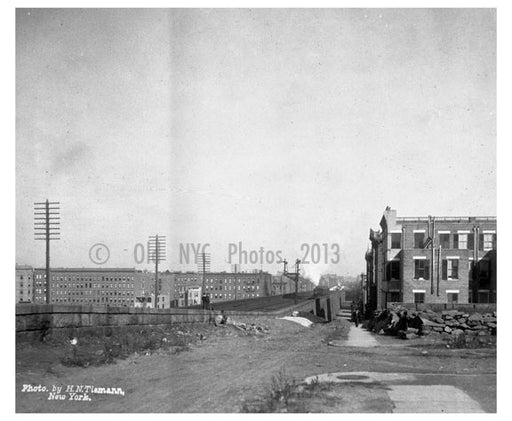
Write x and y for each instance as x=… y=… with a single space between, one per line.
x=272 y=128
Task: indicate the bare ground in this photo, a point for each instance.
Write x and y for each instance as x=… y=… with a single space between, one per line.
x=230 y=371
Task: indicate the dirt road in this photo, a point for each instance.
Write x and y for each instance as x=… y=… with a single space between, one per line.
x=227 y=370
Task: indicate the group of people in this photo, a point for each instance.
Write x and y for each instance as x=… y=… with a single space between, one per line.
x=400 y=321
x=216 y=319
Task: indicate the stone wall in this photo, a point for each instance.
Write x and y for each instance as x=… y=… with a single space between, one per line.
x=40 y=320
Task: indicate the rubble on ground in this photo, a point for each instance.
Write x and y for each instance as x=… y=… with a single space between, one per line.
x=448 y=323
x=250 y=327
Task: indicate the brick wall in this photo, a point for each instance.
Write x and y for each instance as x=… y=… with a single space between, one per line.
x=410 y=284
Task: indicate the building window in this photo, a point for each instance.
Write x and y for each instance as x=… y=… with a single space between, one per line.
x=489 y=242
x=419 y=240
x=393 y=270
x=394 y=297
x=452 y=297
x=419 y=297
x=462 y=242
x=484 y=269
x=450 y=269
x=421 y=269
x=444 y=241
x=396 y=240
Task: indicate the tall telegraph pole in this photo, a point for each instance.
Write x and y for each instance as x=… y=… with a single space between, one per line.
x=203 y=261
x=47 y=228
x=293 y=276
x=156 y=253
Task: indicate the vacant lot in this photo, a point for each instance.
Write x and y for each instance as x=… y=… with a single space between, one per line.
x=225 y=369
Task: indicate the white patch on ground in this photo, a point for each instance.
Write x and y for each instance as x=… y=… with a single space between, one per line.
x=300 y=320
x=432 y=399
x=360 y=377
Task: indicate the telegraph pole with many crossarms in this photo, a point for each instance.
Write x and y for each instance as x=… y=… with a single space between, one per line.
x=47 y=228
x=293 y=276
x=156 y=253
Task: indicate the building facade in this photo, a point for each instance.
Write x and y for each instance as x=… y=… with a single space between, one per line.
x=431 y=260
x=221 y=286
x=24 y=284
x=128 y=287
x=83 y=286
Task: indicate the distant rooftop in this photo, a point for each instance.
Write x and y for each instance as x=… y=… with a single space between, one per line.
x=89 y=269
x=19 y=267
x=446 y=218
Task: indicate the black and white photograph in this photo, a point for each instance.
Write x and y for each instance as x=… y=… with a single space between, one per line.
x=255 y=210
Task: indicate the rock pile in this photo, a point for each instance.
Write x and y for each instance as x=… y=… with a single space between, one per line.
x=447 y=323
x=456 y=322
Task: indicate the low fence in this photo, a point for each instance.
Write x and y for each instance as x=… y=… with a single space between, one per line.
x=466 y=308
x=35 y=321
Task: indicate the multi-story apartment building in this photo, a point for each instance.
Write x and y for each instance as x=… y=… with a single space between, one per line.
x=24 y=284
x=431 y=260
x=127 y=287
x=221 y=286
x=86 y=286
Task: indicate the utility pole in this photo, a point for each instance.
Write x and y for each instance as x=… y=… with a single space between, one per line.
x=293 y=276
x=235 y=271
x=47 y=227
x=156 y=253
x=203 y=261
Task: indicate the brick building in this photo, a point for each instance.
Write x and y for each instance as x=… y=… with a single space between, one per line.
x=86 y=286
x=128 y=287
x=431 y=260
x=221 y=286
x=24 y=284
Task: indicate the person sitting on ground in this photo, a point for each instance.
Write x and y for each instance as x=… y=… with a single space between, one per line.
x=224 y=319
x=402 y=322
x=417 y=323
